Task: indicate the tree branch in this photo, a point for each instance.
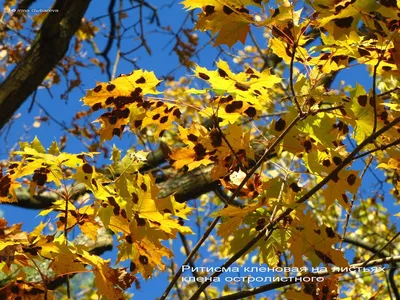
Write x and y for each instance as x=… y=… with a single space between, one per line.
x=48 y=48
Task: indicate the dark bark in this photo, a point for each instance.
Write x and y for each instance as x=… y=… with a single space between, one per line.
x=48 y=48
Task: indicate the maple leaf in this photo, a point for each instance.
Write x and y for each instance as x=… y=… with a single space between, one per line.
x=315 y=242
x=236 y=216
x=8 y=184
x=361 y=115
x=109 y=281
x=125 y=97
x=246 y=92
x=230 y=21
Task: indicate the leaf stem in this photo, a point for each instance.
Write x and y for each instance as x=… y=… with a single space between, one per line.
x=348 y=213
x=291 y=69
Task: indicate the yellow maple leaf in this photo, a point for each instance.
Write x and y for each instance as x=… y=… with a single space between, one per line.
x=315 y=242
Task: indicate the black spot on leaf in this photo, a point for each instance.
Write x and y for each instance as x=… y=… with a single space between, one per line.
x=241 y=86
x=362 y=100
x=227 y=10
x=384 y=115
x=323 y=257
x=97 y=89
x=276 y=12
x=209 y=9
x=135 y=198
x=164 y=119
x=344 y=22
x=96 y=106
x=243 y=10
x=335 y=177
x=261 y=221
x=307 y=145
x=136 y=92
x=251 y=112
x=116 y=132
x=200 y=151
x=345 y=198
x=132 y=267
x=216 y=139
x=112 y=201
x=15 y=289
x=109 y=100
x=389 y=3
x=116 y=210
x=222 y=73
x=295 y=188
x=204 y=76
x=363 y=52
x=191 y=137
x=237 y=104
x=110 y=87
x=88 y=169
x=177 y=113
x=140 y=221
x=129 y=239
x=143 y=259
x=351 y=179
x=112 y=119
x=337 y=160
x=141 y=80
x=326 y=163
x=329 y=232
x=280 y=125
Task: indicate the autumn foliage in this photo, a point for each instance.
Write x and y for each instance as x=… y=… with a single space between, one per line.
x=285 y=149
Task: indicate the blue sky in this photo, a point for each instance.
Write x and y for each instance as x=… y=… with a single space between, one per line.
x=161 y=62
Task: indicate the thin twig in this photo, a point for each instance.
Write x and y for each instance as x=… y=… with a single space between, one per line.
x=33 y=101
x=142 y=38
x=374 y=93
x=389 y=92
x=348 y=214
x=111 y=36
x=118 y=29
x=381 y=148
x=291 y=83
x=191 y=264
